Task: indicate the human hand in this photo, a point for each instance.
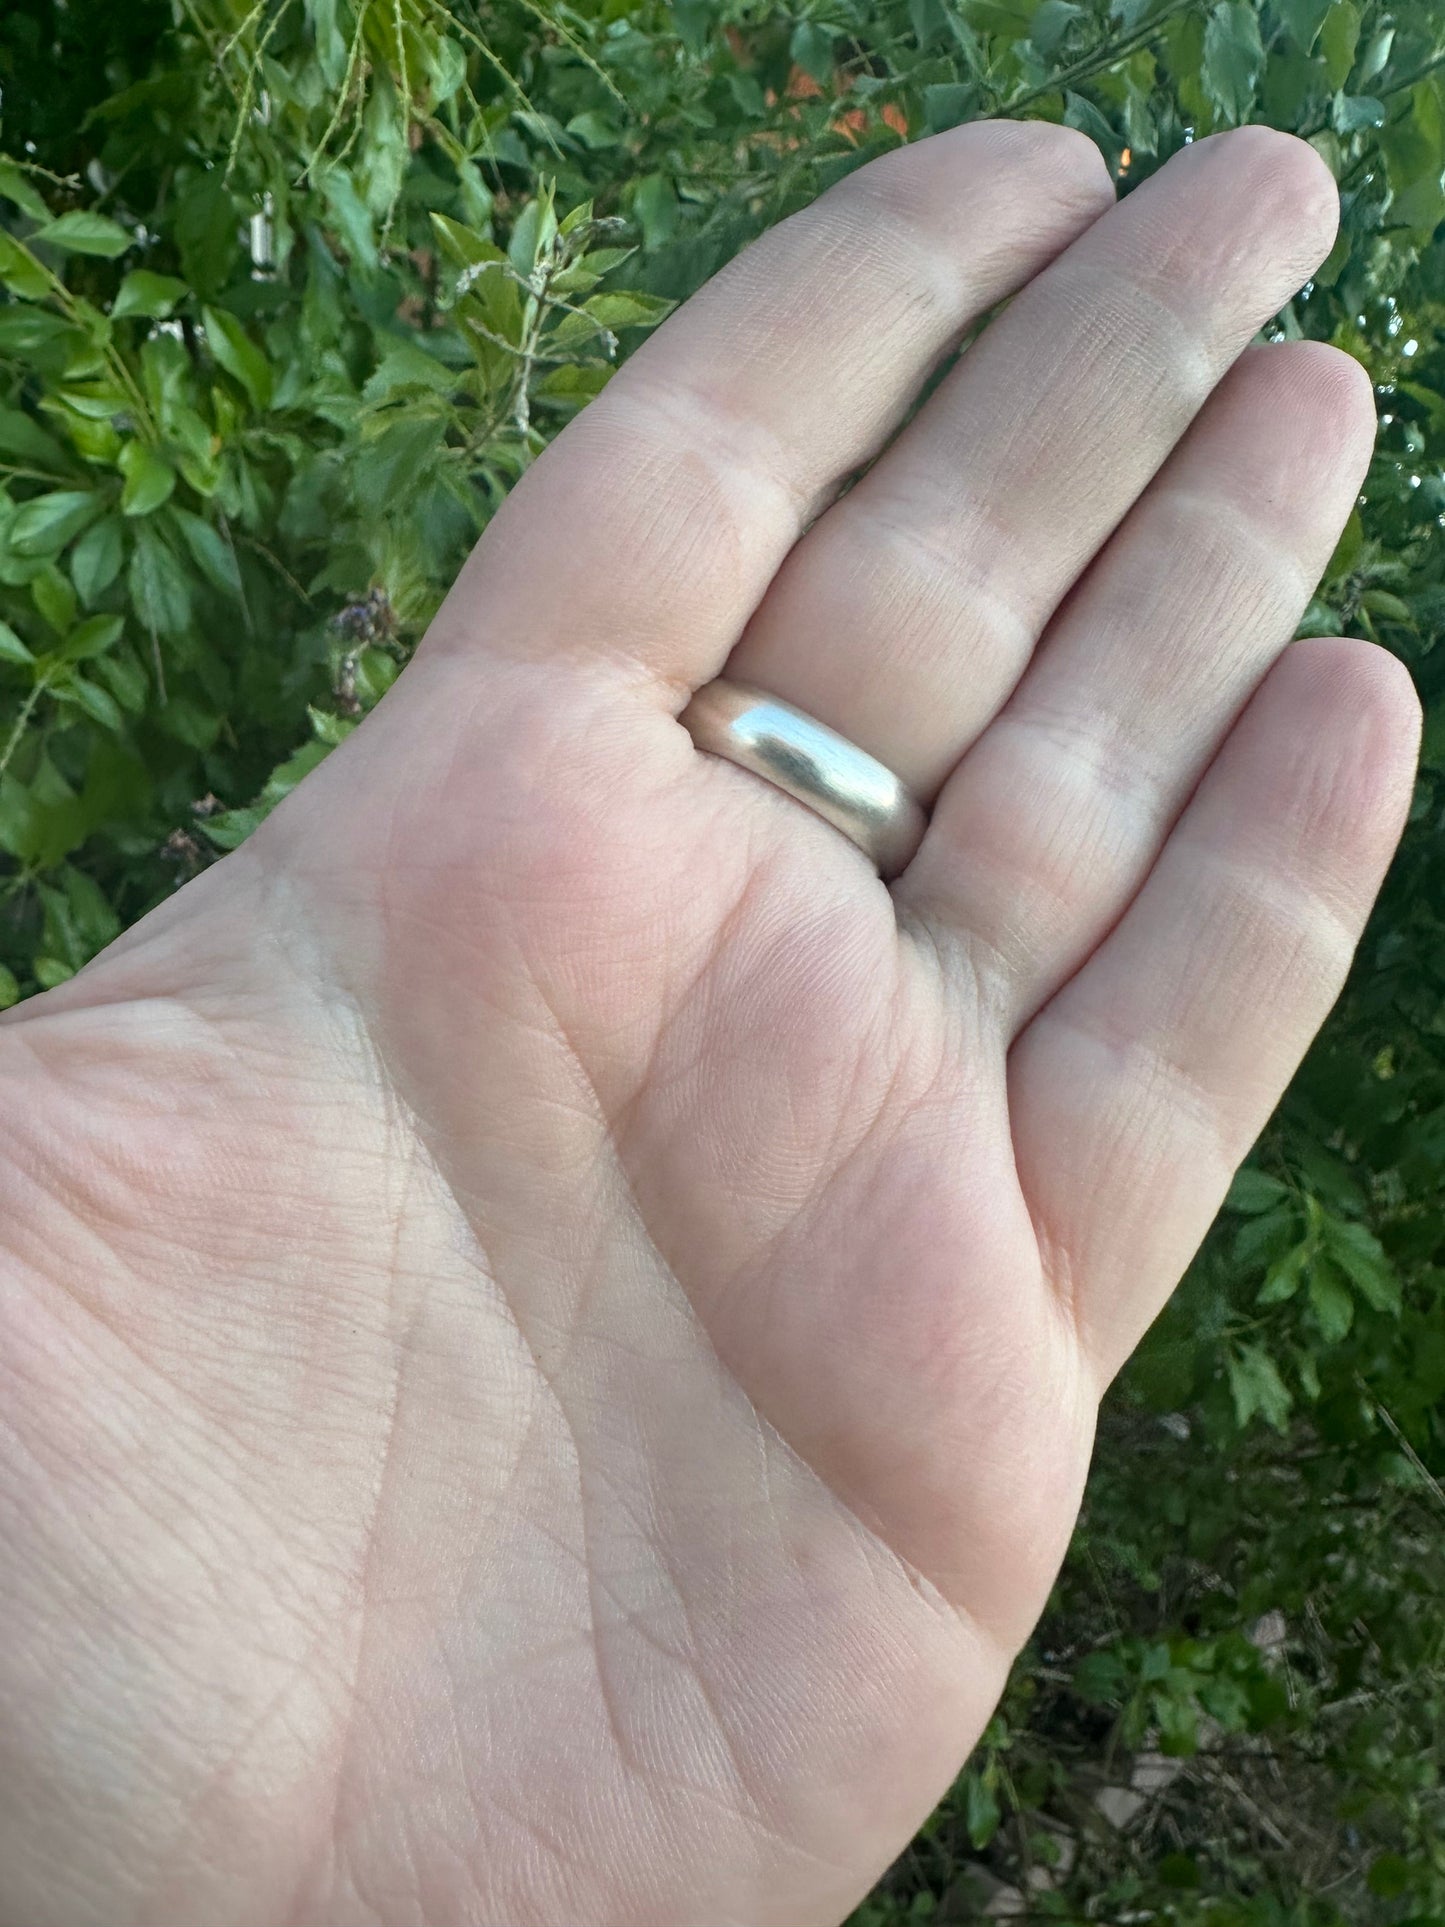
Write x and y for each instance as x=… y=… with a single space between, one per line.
x=551 y=1323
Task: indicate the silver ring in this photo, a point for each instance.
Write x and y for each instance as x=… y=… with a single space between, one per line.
x=813 y=764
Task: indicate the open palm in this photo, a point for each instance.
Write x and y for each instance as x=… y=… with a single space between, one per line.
x=551 y=1322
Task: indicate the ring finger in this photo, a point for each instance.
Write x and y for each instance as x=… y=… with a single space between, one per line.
x=1050 y=823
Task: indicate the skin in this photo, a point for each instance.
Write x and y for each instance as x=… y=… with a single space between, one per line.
x=550 y=1324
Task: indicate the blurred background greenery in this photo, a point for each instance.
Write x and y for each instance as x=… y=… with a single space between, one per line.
x=291 y=291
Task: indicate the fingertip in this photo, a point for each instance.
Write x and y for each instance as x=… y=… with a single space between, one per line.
x=1366 y=680
x=1066 y=158
x=1055 y=167
x=1298 y=419
x=1286 y=171
x=1353 y=718
x=1279 y=184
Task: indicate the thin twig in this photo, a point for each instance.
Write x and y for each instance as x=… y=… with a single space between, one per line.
x=1405 y=1446
x=500 y=67
x=344 y=93
x=27 y=710
x=35 y=475
x=570 y=39
x=245 y=27
x=253 y=67
x=1248 y=1801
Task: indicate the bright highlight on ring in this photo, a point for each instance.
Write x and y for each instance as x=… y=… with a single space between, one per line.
x=814 y=765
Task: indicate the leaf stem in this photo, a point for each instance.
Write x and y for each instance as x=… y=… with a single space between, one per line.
x=26 y=711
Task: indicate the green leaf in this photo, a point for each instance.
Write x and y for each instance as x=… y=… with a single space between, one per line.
x=1050 y=25
x=9 y=988
x=92 y=638
x=330 y=729
x=1178 y=1718
x=812 y=48
x=1256 y=1387
x=1330 y=1300
x=20 y=272
x=1375 y=57
x=1157 y=1663
x=229 y=829
x=463 y=245
x=533 y=234
x=125 y=679
x=144 y=293
x=1302 y=20
x=629 y=309
x=928 y=21
x=210 y=551
x=409 y=367
x=1351 y=112
x=1380 y=602
x=694 y=19
x=448 y=68
x=1389 y=1876
x=42 y=820
x=353 y=219
x=1179 y=1871
x=21 y=435
x=948 y=103
x=655 y=209
x=603 y=314
x=1282 y=1280
x=15 y=187
x=159 y=590
x=54 y=598
x=594 y=129
x=232 y=827
x=206 y=225
x=580 y=216
x=981 y=1810
x=1265 y=1236
x=96 y=559
x=92 y=915
x=191 y=447
x=17 y=818
x=97 y=401
x=1339 y=36
x=1361 y=1256
x=97 y=703
x=83 y=233
x=189 y=722
x=149 y=479
x=1252 y=1191
x=1100 y=1679
x=51 y=973
x=403 y=455
x=45 y=525
x=573 y=384
x=1233 y=58
x=1347 y=549
x=12 y=649
x=234 y=349
x=1081 y=113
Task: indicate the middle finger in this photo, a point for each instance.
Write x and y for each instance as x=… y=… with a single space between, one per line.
x=909 y=611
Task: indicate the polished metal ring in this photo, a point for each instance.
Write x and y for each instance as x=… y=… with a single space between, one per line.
x=813 y=764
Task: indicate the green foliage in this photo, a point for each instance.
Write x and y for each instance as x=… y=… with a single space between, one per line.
x=291 y=293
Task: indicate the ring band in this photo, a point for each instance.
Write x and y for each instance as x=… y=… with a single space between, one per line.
x=813 y=764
